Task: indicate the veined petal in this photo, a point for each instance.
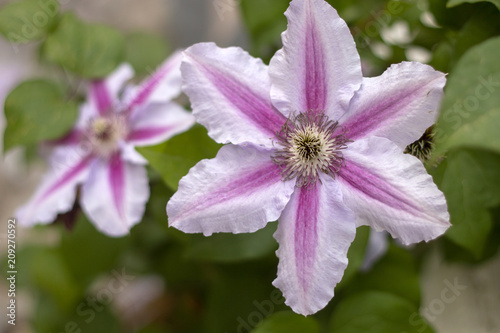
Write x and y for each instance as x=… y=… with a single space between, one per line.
x=115 y=195
x=229 y=93
x=159 y=122
x=399 y=105
x=57 y=191
x=161 y=86
x=392 y=191
x=103 y=94
x=318 y=67
x=314 y=233
x=240 y=190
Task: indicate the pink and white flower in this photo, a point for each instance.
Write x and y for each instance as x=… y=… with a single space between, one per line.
x=99 y=153
x=313 y=145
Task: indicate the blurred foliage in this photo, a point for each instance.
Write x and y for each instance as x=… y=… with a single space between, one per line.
x=28 y=20
x=223 y=283
x=88 y=50
x=145 y=52
x=33 y=103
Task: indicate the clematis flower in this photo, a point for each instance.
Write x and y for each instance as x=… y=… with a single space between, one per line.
x=99 y=152
x=313 y=145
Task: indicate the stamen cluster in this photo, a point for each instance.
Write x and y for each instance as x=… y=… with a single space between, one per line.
x=311 y=143
x=104 y=134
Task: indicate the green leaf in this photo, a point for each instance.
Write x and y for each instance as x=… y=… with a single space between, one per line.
x=224 y=247
x=470 y=184
x=37 y=110
x=470 y=111
x=398 y=264
x=173 y=158
x=453 y=3
x=28 y=20
x=377 y=312
x=88 y=50
x=265 y=22
x=145 y=52
x=287 y=322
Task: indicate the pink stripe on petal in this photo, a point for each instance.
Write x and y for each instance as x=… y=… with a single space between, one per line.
x=376 y=188
x=147 y=133
x=392 y=191
x=117 y=181
x=306 y=237
x=240 y=190
x=167 y=72
x=249 y=104
x=316 y=86
x=399 y=105
x=101 y=96
x=244 y=185
x=314 y=233
x=66 y=177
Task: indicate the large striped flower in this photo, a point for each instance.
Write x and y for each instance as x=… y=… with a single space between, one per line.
x=313 y=145
x=99 y=152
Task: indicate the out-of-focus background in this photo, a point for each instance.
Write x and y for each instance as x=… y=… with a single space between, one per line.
x=456 y=297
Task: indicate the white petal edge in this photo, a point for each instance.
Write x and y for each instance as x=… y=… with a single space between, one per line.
x=399 y=105
x=99 y=203
x=392 y=191
x=318 y=67
x=159 y=122
x=240 y=190
x=314 y=234
x=229 y=94
x=57 y=191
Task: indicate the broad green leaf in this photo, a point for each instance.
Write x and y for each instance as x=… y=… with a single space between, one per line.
x=28 y=20
x=37 y=110
x=470 y=111
x=173 y=158
x=287 y=322
x=470 y=184
x=377 y=312
x=400 y=266
x=453 y=3
x=88 y=50
x=225 y=247
x=145 y=52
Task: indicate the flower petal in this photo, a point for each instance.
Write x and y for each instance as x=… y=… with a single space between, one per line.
x=240 y=190
x=399 y=105
x=159 y=122
x=57 y=191
x=115 y=195
x=392 y=191
x=161 y=86
x=318 y=67
x=229 y=93
x=314 y=233
x=103 y=94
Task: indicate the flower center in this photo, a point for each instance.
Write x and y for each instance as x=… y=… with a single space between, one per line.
x=310 y=144
x=105 y=133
